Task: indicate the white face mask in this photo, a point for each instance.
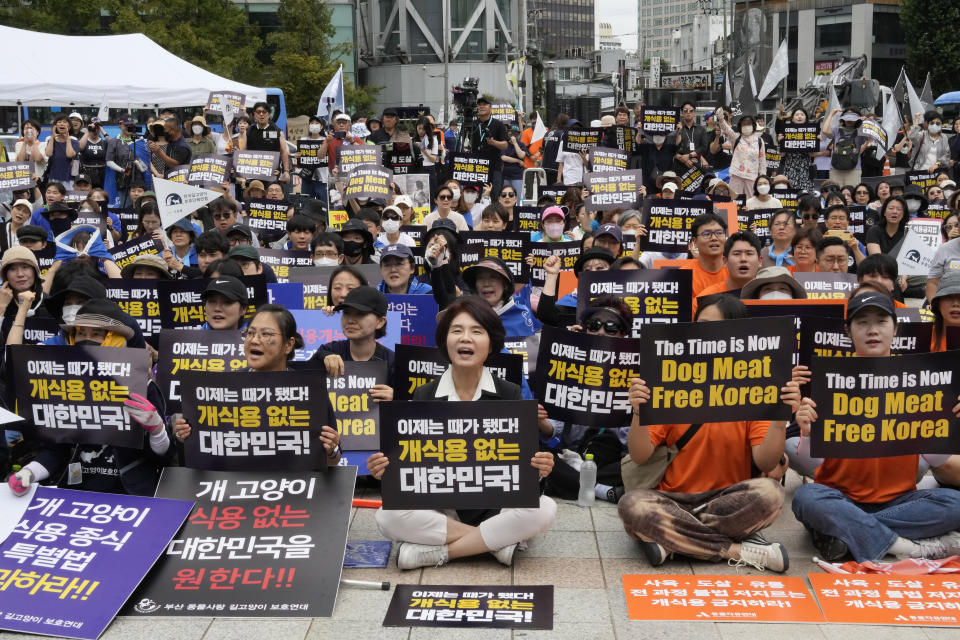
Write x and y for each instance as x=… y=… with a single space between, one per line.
x=314 y=128
x=659 y=139
x=553 y=229
x=362 y=201
x=913 y=205
x=325 y=262
x=70 y=312
x=470 y=197
x=197 y=129
x=391 y=227
x=776 y=295
x=456 y=194
x=933 y=128
x=746 y=130
x=947 y=193
x=763 y=189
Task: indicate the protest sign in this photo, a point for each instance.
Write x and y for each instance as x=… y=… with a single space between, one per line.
x=308 y=152
x=316 y=280
x=773 y=158
x=620 y=137
x=35 y=330
x=216 y=100
x=762 y=220
x=471 y=607
x=209 y=170
x=181 y=301
x=470 y=170
x=178 y=174
x=92 y=219
x=138 y=299
x=459 y=455
x=556 y=191
x=913 y=600
x=417 y=186
x=527 y=348
x=352 y=156
x=584 y=378
x=46 y=257
x=668 y=223
x=510 y=246
x=659 y=120
x=938 y=210
x=16 y=176
x=915 y=257
x=256 y=165
x=653 y=295
x=788 y=197
x=504 y=112
x=800 y=137
x=415 y=231
x=581 y=140
x=720 y=598
x=73 y=198
x=923 y=179
x=568 y=253
x=879 y=407
x=207 y=351
x=875 y=132
x=825 y=308
x=526 y=218
x=399 y=157
x=929 y=230
x=283 y=260
x=75 y=557
x=472 y=253
x=124 y=254
x=602 y=160
x=179 y=200
x=358 y=416
x=368 y=181
x=691 y=180
x=254 y=420
x=129 y=221
x=708 y=372
x=318 y=329
x=418 y=317
x=76 y=393
x=613 y=190
x=257 y=544
x=858 y=221
x=415 y=366
x=827 y=284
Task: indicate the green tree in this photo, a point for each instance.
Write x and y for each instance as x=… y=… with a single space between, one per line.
x=931 y=47
x=66 y=17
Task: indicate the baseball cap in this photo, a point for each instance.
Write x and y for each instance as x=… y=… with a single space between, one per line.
x=365 y=300
x=399 y=200
x=23 y=202
x=238 y=227
x=862 y=301
x=592 y=253
x=229 y=287
x=396 y=251
x=669 y=186
x=75 y=114
x=609 y=229
x=342 y=116
x=246 y=252
x=483 y=99
x=553 y=211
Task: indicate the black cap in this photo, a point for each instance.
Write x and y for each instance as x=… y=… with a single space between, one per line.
x=591 y=254
x=229 y=287
x=357 y=225
x=31 y=232
x=61 y=207
x=240 y=228
x=84 y=285
x=366 y=300
x=861 y=301
x=81 y=177
x=396 y=251
x=483 y=99
x=441 y=223
x=245 y=251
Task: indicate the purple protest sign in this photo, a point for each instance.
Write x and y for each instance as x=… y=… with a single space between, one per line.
x=76 y=556
x=318 y=329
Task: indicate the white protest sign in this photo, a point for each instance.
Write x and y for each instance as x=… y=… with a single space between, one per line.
x=915 y=255
x=176 y=200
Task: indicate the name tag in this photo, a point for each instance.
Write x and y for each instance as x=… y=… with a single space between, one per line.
x=954 y=264
x=271 y=134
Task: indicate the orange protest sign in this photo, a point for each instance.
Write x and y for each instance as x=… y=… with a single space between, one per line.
x=720 y=598
x=566 y=284
x=889 y=599
x=730 y=209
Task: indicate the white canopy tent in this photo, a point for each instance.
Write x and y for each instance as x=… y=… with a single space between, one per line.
x=128 y=72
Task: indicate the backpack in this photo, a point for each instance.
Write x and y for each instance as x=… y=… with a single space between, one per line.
x=649 y=474
x=845 y=153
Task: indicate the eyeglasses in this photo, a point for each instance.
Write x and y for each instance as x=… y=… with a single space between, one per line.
x=444 y=197
x=810 y=216
x=835 y=260
x=706 y=235
x=863 y=193
x=610 y=327
x=265 y=335
x=688 y=110
x=261 y=111
x=508 y=195
x=222 y=216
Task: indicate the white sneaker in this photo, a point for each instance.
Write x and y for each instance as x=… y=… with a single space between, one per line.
x=940 y=547
x=505 y=555
x=756 y=552
x=414 y=556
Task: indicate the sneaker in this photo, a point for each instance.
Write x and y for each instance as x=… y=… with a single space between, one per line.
x=830 y=549
x=615 y=493
x=656 y=555
x=505 y=555
x=757 y=552
x=940 y=547
x=414 y=556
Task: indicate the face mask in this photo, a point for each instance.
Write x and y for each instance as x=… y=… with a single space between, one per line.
x=69 y=313
x=86 y=343
x=456 y=194
x=781 y=187
x=325 y=262
x=553 y=229
x=763 y=189
x=314 y=128
x=363 y=201
x=470 y=197
x=746 y=130
x=934 y=129
x=391 y=227
x=59 y=226
x=197 y=130
x=776 y=295
x=947 y=193
x=913 y=205
x=659 y=139
x=352 y=248
x=760 y=126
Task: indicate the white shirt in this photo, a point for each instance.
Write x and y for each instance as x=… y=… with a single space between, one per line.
x=432 y=147
x=446 y=389
x=453 y=216
x=572 y=166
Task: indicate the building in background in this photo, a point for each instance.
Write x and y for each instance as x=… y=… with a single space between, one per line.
x=606 y=38
x=658 y=20
x=698 y=44
x=566 y=26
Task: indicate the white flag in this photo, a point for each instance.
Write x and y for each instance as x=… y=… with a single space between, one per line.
x=891 y=123
x=226 y=110
x=332 y=97
x=177 y=199
x=914 y=100
x=779 y=69
x=539 y=130
x=104 y=113
x=832 y=104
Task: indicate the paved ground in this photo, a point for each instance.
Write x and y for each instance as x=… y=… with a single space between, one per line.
x=583 y=557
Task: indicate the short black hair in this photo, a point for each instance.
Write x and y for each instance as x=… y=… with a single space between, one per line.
x=58 y=186
x=932 y=115
x=224 y=267
x=687 y=102
x=211 y=242
x=880 y=263
x=742 y=236
x=732 y=308
x=808 y=201
x=367 y=214
x=327 y=237
x=620 y=263
x=837 y=207
x=300 y=222
x=221 y=203
x=481 y=311
x=704 y=219
x=261 y=104
x=829 y=241
x=286 y=322
x=344 y=268
x=496 y=209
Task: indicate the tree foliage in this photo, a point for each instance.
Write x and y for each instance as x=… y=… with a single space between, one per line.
x=930 y=46
x=65 y=17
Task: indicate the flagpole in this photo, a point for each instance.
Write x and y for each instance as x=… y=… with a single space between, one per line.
x=783 y=91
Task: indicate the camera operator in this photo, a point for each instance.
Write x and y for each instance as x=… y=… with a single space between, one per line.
x=489 y=140
x=93 y=153
x=127 y=157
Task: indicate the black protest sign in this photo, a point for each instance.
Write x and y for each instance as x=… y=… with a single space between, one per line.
x=368 y=181
x=881 y=407
x=471 y=607
x=468 y=169
x=923 y=179
x=93 y=219
x=76 y=393
x=129 y=221
x=691 y=180
x=858 y=222
x=659 y=120
x=217 y=98
x=74 y=197
x=602 y=160
x=568 y=252
x=788 y=197
x=827 y=337
x=415 y=366
x=471 y=253
x=282 y=260
x=510 y=246
x=668 y=223
x=821 y=285
x=953 y=338
x=584 y=378
x=16 y=176
x=416 y=231
x=762 y=221
x=874 y=131
x=266 y=216
x=124 y=254
x=352 y=156
x=179 y=173
x=526 y=218
x=46 y=257
x=613 y=190
x=309 y=154
x=772 y=156
x=256 y=165
x=399 y=157
x=654 y=295
x=358 y=416
x=717 y=372
x=181 y=301
x=138 y=299
x=255 y=420
x=620 y=137
x=581 y=140
x=938 y=210
x=316 y=280
x=800 y=137
x=35 y=330
x=257 y=544
x=556 y=191
x=209 y=170
x=205 y=351
x=504 y=112
x=527 y=348
x=459 y=455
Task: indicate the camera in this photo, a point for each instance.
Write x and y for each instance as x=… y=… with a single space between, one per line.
x=465 y=97
x=304 y=173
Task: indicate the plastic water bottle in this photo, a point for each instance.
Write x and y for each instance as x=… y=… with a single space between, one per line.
x=588 y=482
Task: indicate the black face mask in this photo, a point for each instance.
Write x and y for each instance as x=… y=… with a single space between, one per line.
x=59 y=226
x=87 y=343
x=352 y=248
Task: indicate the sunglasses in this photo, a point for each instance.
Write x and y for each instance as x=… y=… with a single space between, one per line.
x=508 y=195
x=393 y=217
x=610 y=327
x=222 y=216
x=810 y=216
x=444 y=197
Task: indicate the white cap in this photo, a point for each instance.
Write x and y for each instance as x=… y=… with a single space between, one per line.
x=342 y=116
x=670 y=185
x=75 y=114
x=407 y=200
x=594 y=123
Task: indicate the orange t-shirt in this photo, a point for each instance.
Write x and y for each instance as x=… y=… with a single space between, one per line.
x=716 y=457
x=703 y=278
x=938 y=346
x=709 y=291
x=870 y=480
x=529 y=162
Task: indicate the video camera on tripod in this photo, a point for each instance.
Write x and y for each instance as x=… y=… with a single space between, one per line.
x=465 y=102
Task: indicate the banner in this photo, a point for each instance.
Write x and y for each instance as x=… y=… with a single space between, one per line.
x=418 y=317
x=613 y=190
x=526 y=219
x=511 y=247
x=827 y=284
x=874 y=131
x=256 y=165
x=879 y=407
x=316 y=280
x=255 y=420
x=75 y=557
x=124 y=254
x=800 y=137
x=653 y=295
x=788 y=197
x=355 y=155
x=415 y=366
x=282 y=260
x=773 y=157
x=16 y=176
x=581 y=140
x=914 y=600
x=358 y=416
x=35 y=330
x=700 y=377
x=691 y=180
x=216 y=99
x=399 y=157
x=621 y=137
x=568 y=252
x=471 y=607
x=659 y=120
x=308 y=151
x=209 y=170
x=668 y=223
x=460 y=455
x=470 y=170
x=585 y=379
x=177 y=200
x=602 y=160
x=318 y=329
x=178 y=174
x=369 y=182
x=686 y=80
x=206 y=351
x=922 y=179
x=916 y=256
x=181 y=301
x=75 y=393
x=257 y=544
x=138 y=299
x=504 y=112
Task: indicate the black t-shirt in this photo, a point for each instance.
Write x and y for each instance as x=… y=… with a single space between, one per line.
x=94 y=154
x=551 y=146
x=179 y=150
x=877 y=234
x=379 y=136
x=492 y=128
